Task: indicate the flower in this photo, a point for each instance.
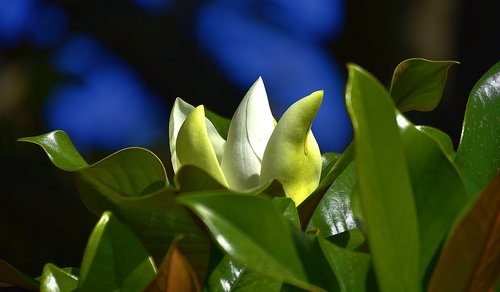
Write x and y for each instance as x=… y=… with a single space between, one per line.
x=258 y=149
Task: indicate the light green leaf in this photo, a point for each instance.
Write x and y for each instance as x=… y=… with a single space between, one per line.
x=114 y=259
x=470 y=260
x=478 y=155
x=55 y=279
x=194 y=146
x=249 y=132
x=59 y=149
x=418 y=84
x=292 y=155
x=383 y=183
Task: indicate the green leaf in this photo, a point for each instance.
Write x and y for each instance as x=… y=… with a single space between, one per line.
x=333 y=214
x=328 y=160
x=470 y=260
x=130 y=172
x=383 y=183
x=350 y=239
x=59 y=149
x=418 y=84
x=441 y=138
x=478 y=155
x=350 y=267
x=251 y=230
x=55 y=279
x=10 y=276
x=190 y=178
x=232 y=276
x=114 y=259
x=287 y=207
x=438 y=188
x=220 y=123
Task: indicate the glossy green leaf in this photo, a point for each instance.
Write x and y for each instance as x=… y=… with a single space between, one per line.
x=441 y=138
x=59 y=149
x=478 y=155
x=115 y=259
x=251 y=230
x=350 y=239
x=418 y=84
x=328 y=160
x=333 y=214
x=55 y=279
x=383 y=183
x=350 y=267
x=309 y=206
x=438 y=188
x=10 y=276
x=470 y=260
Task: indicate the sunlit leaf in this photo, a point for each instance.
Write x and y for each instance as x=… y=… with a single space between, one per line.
x=251 y=230
x=470 y=260
x=59 y=149
x=114 y=259
x=418 y=84
x=55 y=279
x=478 y=155
x=333 y=214
x=383 y=182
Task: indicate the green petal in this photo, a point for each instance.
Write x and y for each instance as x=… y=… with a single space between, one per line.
x=194 y=146
x=292 y=155
x=249 y=132
x=180 y=111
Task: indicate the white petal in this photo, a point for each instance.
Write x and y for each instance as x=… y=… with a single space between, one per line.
x=249 y=131
x=180 y=111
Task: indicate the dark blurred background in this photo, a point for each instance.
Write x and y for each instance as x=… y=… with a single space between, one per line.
x=107 y=73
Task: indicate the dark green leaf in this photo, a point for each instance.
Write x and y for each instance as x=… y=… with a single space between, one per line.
x=418 y=84
x=220 y=123
x=55 y=279
x=287 y=207
x=190 y=178
x=478 y=155
x=327 y=162
x=383 y=183
x=350 y=267
x=350 y=239
x=333 y=214
x=114 y=259
x=307 y=208
x=59 y=149
x=251 y=230
x=470 y=260
x=10 y=276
